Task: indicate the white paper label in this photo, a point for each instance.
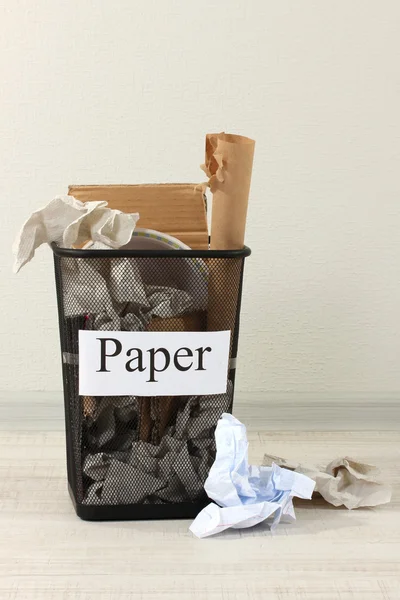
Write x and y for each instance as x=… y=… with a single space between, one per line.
x=131 y=363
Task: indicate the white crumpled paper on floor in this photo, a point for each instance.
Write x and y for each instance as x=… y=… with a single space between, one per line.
x=245 y=494
x=70 y=222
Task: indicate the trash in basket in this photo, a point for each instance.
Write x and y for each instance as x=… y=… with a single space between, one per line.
x=139 y=455
x=149 y=323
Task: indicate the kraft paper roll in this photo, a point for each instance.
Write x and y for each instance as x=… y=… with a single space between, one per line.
x=228 y=164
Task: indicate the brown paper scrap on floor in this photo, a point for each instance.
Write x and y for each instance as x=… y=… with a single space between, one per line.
x=344 y=481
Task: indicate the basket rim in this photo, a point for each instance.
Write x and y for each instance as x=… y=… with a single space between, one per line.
x=118 y=253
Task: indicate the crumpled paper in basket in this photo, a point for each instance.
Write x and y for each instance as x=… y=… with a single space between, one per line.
x=246 y=495
x=126 y=470
x=343 y=481
x=102 y=292
x=71 y=223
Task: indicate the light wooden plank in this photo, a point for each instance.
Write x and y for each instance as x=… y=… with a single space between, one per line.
x=47 y=553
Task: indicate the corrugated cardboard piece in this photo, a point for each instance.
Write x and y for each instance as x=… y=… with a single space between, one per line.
x=174 y=208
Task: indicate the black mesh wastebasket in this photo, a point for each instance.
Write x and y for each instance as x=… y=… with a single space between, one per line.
x=132 y=456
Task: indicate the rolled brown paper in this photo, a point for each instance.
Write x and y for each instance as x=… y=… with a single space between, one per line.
x=195 y=321
x=145 y=420
x=229 y=163
x=164 y=411
x=89 y=405
x=166 y=407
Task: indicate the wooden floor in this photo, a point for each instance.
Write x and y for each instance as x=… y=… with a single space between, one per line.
x=46 y=552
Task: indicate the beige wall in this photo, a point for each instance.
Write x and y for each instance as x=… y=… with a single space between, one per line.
x=125 y=92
